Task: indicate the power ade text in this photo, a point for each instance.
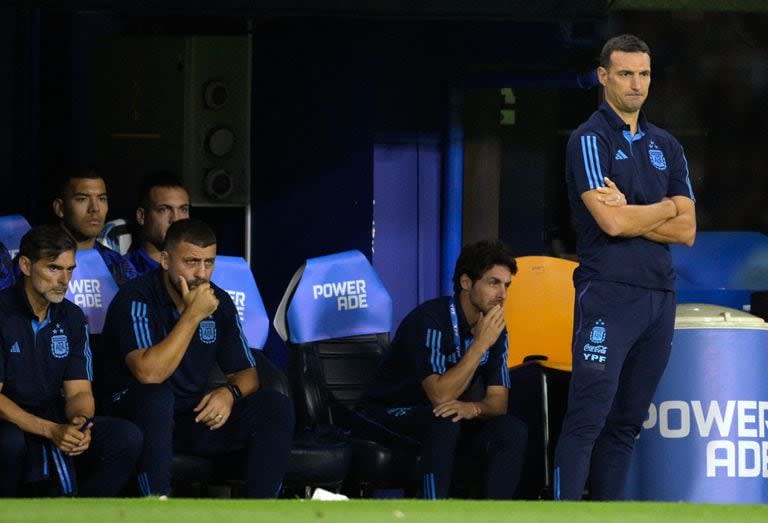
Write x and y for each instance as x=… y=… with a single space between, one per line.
x=747 y=420
x=349 y=294
x=86 y=293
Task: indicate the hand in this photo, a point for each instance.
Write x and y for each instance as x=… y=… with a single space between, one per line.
x=69 y=439
x=489 y=327
x=458 y=409
x=200 y=301
x=215 y=407
x=611 y=195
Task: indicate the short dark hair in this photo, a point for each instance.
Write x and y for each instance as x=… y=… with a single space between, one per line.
x=626 y=43
x=157 y=179
x=65 y=176
x=477 y=258
x=190 y=230
x=46 y=242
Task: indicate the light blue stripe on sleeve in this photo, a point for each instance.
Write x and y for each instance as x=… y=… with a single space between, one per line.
x=140 y=325
x=244 y=341
x=592 y=161
x=88 y=354
x=687 y=177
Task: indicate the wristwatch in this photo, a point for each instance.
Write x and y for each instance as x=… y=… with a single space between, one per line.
x=235 y=390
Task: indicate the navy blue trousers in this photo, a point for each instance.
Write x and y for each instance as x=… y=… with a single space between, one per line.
x=261 y=424
x=500 y=441
x=102 y=470
x=622 y=338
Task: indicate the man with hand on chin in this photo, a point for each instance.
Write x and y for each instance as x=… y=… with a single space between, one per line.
x=46 y=403
x=166 y=331
x=443 y=382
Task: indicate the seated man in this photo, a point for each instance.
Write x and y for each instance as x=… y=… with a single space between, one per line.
x=43 y=351
x=165 y=331
x=443 y=382
x=82 y=208
x=162 y=200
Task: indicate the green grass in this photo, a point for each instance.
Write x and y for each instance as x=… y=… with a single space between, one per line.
x=365 y=511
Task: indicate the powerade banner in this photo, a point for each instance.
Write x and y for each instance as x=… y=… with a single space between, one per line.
x=91 y=288
x=338 y=296
x=706 y=436
x=12 y=228
x=233 y=274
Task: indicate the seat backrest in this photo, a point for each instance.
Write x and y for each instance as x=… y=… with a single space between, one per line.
x=722 y=268
x=233 y=274
x=92 y=288
x=12 y=228
x=116 y=235
x=539 y=310
x=335 y=317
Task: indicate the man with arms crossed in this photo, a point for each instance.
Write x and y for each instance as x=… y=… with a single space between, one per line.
x=165 y=331
x=630 y=196
x=44 y=351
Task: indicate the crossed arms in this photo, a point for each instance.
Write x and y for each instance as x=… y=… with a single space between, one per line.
x=672 y=220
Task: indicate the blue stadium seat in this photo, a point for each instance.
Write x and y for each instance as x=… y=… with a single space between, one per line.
x=722 y=268
x=92 y=288
x=12 y=228
x=335 y=317
x=233 y=274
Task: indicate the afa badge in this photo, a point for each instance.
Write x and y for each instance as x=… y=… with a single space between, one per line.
x=59 y=343
x=207 y=331
x=657 y=157
x=597 y=334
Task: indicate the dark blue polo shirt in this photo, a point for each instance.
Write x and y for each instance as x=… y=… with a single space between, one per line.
x=141 y=261
x=37 y=357
x=142 y=314
x=646 y=167
x=423 y=345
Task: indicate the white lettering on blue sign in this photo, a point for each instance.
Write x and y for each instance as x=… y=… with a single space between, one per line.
x=238 y=298
x=349 y=294
x=744 y=420
x=86 y=293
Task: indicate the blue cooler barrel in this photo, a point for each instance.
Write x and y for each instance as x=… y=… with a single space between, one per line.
x=705 y=436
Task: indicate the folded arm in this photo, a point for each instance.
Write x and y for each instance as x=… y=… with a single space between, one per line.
x=628 y=220
x=680 y=229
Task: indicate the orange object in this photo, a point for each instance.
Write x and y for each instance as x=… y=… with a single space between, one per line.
x=539 y=311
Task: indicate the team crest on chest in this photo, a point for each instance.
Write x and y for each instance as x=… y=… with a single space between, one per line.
x=656 y=156
x=208 y=331
x=59 y=343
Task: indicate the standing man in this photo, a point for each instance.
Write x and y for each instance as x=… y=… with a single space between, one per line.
x=82 y=207
x=444 y=381
x=630 y=196
x=165 y=332
x=46 y=404
x=162 y=201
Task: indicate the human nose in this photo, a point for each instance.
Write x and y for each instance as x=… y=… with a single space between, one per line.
x=200 y=271
x=94 y=204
